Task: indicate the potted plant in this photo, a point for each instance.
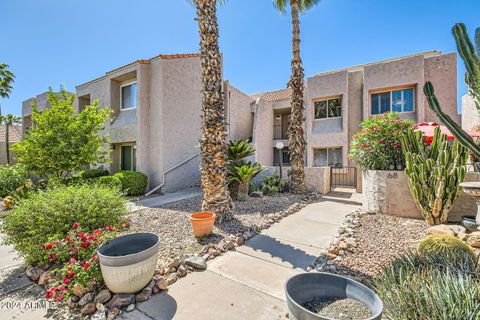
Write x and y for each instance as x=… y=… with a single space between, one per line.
x=128 y=262
x=304 y=289
x=202 y=223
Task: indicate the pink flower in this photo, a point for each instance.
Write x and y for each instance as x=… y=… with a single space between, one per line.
x=73 y=260
x=86 y=266
x=110 y=228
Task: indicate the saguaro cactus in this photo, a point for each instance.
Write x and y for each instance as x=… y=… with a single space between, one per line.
x=434 y=173
x=471 y=59
x=472 y=78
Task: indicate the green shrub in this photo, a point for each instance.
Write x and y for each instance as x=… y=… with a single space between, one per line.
x=272 y=185
x=12 y=177
x=376 y=146
x=430 y=286
x=133 y=183
x=445 y=245
x=92 y=173
x=49 y=214
x=110 y=181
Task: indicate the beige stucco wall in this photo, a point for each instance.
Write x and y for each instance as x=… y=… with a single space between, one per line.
x=470 y=113
x=387 y=192
x=263 y=132
x=442 y=72
x=327 y=133
x=239 y=117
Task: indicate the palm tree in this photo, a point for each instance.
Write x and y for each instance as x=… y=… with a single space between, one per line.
x=296 y=132
x=213 y=145
x=6 y=81
x=9 y=120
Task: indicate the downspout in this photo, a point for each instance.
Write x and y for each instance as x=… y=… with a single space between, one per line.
x=254 y=133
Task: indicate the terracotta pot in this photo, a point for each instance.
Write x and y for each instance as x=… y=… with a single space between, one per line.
x=202 y=223
x=8 y=201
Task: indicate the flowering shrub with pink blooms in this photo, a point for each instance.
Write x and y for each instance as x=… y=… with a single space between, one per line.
x=376 y=146
x=77 y=259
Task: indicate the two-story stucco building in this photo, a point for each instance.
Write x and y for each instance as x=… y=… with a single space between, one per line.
x=155 y=127
x=337 y=101
x=157 y=106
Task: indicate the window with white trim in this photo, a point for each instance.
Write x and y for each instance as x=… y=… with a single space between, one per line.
x=128 y=99
x=328 y=157
x=328 y=108
x=393 y=101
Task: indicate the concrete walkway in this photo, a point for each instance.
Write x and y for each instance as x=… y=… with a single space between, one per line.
x=164 y=199
x=248 y=283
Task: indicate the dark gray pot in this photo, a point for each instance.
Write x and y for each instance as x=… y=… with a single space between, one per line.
x=308 y=286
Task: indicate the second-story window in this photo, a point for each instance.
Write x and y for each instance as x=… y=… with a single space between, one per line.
x=393 y=101
x=128 y=96
x=328 y=108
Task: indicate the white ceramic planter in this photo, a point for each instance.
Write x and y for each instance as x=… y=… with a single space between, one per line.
x=128 y=262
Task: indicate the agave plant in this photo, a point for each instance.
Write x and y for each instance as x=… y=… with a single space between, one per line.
x=243 y=175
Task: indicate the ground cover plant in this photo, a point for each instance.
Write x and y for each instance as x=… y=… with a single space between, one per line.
x=49 y=214
x=77 y=260
x=376 y=146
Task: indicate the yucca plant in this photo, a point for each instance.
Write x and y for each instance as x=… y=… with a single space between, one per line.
x=243 y=175
x=430 y=286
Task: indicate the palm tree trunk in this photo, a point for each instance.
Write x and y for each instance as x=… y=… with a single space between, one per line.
x=213 y=145
x=296 y=134
x=7 y=138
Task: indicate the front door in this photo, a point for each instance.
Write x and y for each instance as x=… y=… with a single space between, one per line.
x=128 y=157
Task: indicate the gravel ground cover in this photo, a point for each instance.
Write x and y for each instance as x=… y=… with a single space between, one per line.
x=370 y=244
x=172 y=222
x=341 y=309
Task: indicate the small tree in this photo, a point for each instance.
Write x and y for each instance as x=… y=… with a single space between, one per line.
x=60 y=141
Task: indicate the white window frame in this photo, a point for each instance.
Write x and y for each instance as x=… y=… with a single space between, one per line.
x=121 y=95
x=327 y=99
x=391 y=100
x=326 y=148
x=134 y=147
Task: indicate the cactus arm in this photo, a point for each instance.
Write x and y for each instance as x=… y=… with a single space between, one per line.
x=470 y=58
x=454 y=128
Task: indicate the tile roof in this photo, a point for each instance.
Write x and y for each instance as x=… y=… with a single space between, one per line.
x=177 y=56
x=15 y=134
x=276 y=95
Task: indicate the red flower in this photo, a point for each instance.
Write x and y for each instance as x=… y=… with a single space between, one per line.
x=74 y=251
x=97 y=232
x=80 y=234
x=85 y=245
x=70 y=275
x=47 y=246
x=67 y=281
x=75 y=226
x=86 y=266
x=52 y=256
x=95 y=258
x=110 y=228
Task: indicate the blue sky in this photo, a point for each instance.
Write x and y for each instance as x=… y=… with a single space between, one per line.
x=57 y=42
